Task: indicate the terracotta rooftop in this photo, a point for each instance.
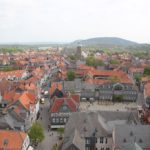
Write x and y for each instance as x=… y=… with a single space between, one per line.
x=11 y=140
x=71 y=102
x=55 y=85
x=147 y=90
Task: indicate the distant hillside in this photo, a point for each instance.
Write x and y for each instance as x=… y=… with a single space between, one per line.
x=104 y=41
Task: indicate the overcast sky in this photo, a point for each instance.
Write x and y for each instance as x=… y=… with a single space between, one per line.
x=68 y=20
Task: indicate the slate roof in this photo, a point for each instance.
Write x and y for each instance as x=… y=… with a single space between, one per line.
x=132 y=146
x=74 y=139
x=103 y=122
x=130 y=134
x=73 y=85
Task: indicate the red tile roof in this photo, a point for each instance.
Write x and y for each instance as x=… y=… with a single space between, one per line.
x=54 y=86
x=147 y=90
x=145 y=79
x=76 y=98
x=122 y=76
x=13 y=139
x=11 y=96
x=16 y=73
x=92 y=72
x=134 y=69
x=71 y=102
x=26 y=99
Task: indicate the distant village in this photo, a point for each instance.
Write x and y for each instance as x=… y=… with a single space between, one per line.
x=83 y=100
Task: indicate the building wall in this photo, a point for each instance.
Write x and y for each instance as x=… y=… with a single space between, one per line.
x=101 y=143
x=59 y=119
x=37 y=107
x=107 y=91
x=107 y=143
x=26 y=143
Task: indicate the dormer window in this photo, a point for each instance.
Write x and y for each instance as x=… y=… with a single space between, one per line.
x=131 y=133
x=118 y=87
x=64 y=107
x=140 y=141
x=5 y=142
x=124 y=140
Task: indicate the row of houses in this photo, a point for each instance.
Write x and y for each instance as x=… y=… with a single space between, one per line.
x=20 y=94
x=102 y=85
x=105 y=130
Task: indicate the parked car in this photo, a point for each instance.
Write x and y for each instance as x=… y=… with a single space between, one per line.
x=42 y=100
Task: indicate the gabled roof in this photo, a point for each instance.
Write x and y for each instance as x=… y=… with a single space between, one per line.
x=54 y=86
x=147 y=90
x=26 y=99
x=122 y=76
x=145 y=79
x=6 y=85
x=12 y=140
x=135 y=69
x=16 y=73
x=132 y=146
x=9 y=95
x=100 y=123
x=71 y=102
x=128 y=134
x=57 y=93
x=76 y=98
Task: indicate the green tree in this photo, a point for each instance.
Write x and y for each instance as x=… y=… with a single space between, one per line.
x=118 y=98
x=60 y=132
x=70 y=75
x=90 y=61
x=137 y=77
x=36 y=133
x=113 y=61
x=147 y=71
x=99 y=62
x=72 y=57
x=54 y=147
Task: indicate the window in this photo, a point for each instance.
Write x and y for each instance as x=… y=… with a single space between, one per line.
x=87 y=148
x=64 y=108
x=87 y=141
x=101 y=139
x=61 y=120
x=107 y=148
x=95 y=140
x=131 y=133
x=106 y=141
x=57 y=120
x=140 y=141
x=53 y=120
x=118 y=87
x=65 y=120
x=124 y=140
